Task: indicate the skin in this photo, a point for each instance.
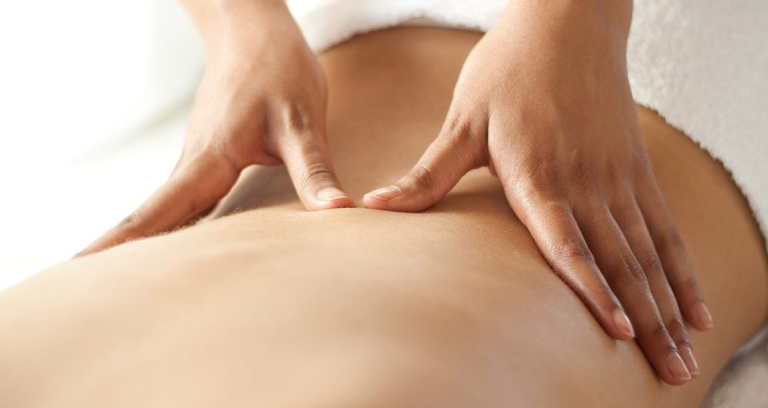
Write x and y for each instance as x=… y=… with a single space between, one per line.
x=262 y=101
x=274 y=306
x=552 y=117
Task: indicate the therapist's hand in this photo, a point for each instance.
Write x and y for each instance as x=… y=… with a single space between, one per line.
x=262 y=101
x=544 y=101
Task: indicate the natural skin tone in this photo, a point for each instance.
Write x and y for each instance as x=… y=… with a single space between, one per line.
x=543 y=101
x=262 y=101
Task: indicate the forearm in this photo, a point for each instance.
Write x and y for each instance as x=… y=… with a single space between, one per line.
x=572 y=20
x=232 y=19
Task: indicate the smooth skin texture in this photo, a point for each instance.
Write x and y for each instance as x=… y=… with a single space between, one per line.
x=277 y=307
x=262 y=101
x=543 y=100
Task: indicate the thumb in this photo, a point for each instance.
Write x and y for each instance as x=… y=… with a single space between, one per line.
x=309 y=165
x=445 y=162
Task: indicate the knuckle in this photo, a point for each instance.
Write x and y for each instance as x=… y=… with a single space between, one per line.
x=456 y=129
x=130 y=221
x=582 y=176
x=677 y=331
x=459 y=134
x=132 y=224
x=200 y=161
x=642 y=165
x=616 y=172
x=573 y=250
x=683 y=344
x=649 y=261
x=296 y=119
x=630 y=271
x=622 y=204
x=422 y=178
x=317 y=172
x=671 y=240
x=193 y=205
x=534 y=186
x=190 y=157
x=233 y=157
x=660 y=333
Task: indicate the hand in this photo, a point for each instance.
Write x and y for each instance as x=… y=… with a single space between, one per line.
x=262 y=101
x=544 y=101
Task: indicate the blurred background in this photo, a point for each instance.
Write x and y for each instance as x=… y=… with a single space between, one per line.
x=94 y=98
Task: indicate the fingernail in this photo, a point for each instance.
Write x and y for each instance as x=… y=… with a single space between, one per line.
x=702 y=313
x=386 y=193
x=623 y=323
x=690 y=361
x=330 y=194
x=676 y=366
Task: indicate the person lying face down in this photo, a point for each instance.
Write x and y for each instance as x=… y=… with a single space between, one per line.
x=581 y=185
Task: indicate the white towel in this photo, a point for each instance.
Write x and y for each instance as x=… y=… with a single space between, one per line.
x=702 y=64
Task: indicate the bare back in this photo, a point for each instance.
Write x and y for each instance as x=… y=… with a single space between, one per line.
x=454 y=307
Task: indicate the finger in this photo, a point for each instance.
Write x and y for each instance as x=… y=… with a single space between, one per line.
x=627 y=279
x=630 y=220
x=308 y=160
x=194 y=187
x=677 y=266
x=553 y=227
x=444 y=163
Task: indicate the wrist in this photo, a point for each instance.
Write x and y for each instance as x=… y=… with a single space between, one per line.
x=225 y=23
x=571 y=21
x=615 y=11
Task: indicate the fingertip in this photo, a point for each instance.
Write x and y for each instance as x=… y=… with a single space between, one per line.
x=394 y=198
x=329 y=198
x=85 y=251
x=331 y=194
x=690 y=361
x=678 y=372
x=374 y=203
x=385 y=194
x=81 y=254
x=623 y=325
x=96 y=246
x=702 y=316
x=380 y=198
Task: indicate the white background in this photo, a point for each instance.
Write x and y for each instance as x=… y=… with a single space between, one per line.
x=94 y=97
